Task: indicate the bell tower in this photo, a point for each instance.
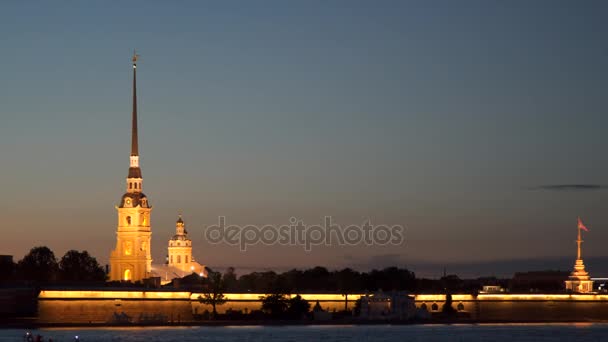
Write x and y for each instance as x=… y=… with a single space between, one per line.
x=131 y=259
x=579 y=280
x=179 y=256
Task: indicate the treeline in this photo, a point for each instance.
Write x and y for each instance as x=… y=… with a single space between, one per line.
x=41 y=267
x=320 y=279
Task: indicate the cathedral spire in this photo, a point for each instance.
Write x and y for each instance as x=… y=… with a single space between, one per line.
x=134 y=149
x=134 y=170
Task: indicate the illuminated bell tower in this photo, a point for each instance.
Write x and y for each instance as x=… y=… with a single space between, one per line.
x=180 y=252
x=131 y=259
x=180 y=247
x=579 y=280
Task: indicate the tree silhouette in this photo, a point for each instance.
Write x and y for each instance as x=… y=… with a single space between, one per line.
x=298 y=307
x=348 y=281
x=447 y=309
x=214 y=294
x=39 y=265
x=275 y=305
x=230 y=279
x=77 y=266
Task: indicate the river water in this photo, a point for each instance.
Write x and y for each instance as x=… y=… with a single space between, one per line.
x=329 y=333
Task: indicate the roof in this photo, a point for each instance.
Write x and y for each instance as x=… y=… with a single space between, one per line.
x=137 y=199
x=134 y=172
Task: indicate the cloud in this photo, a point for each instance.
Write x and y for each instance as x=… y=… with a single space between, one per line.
x=570 y=187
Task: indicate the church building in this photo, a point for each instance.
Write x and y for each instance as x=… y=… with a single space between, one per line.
x=131 y=259
x=579 y=280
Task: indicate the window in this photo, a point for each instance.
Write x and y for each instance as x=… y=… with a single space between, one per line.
x=179 y=259
x=171 y=259
x=434 y=307
x=128 y=220
x=128 y=247
x=423 y=306
x=460 y=307
x=127 y=275
x=186 y=257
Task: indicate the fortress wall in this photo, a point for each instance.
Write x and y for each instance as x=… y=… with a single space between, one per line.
x=528 y=308
x=543 y=311
x=108 y=311
x=164 y=307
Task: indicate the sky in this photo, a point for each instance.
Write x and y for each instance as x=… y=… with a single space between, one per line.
x=479 y=126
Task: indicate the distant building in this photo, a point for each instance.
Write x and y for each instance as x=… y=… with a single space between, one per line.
x=180 y=261
x=579 y=280
x=389 y=305
x=492 y=289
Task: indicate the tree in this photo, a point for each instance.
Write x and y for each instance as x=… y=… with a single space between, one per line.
x=39 y=265
x=347 y=281
x=214 y=294
x=7 y=268
x=447 y=309
x=275 y=305
x=230 y=280
x=298 y=307
x=80 y=267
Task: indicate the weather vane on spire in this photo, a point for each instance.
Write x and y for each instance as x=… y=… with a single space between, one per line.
x=135 y=56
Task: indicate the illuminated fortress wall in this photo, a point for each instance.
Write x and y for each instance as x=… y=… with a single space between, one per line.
x=113 y=307
x=523 y=307
x=165 y=307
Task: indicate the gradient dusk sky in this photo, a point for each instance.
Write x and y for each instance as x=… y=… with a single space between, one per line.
x=461 y=120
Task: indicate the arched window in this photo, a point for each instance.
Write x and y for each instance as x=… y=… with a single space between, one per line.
x=186 y=257
x=127 y=275
x=423 y=306
x=130 y=185
x=434 y=307
x=179 y=259
x=128 y=247
x=172 y=259
x=460 y=307
x=128 y=220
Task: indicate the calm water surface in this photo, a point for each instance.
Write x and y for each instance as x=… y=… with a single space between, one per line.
x=464 y=332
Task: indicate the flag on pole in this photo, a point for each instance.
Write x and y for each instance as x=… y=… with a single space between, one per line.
x=581 y=225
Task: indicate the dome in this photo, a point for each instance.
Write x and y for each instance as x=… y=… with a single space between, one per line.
x=180 y=238
x=134 y=199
